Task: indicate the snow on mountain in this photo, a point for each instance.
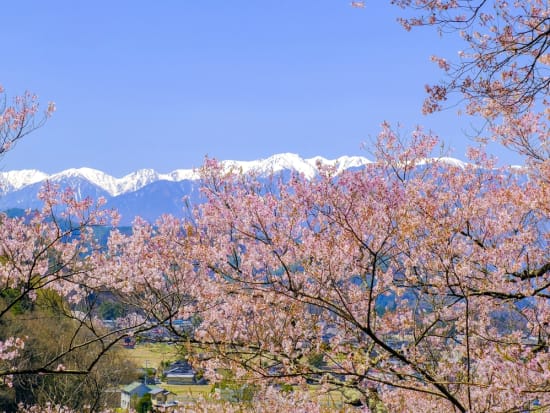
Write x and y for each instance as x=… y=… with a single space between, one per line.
x=98 y=178
x=273 y=164
x=134 y=181
x=290 y=161
x=181 y=175
x=445 y=160
x=453 y=162
x=341 y=164
x=15 y=180
x=148 y=193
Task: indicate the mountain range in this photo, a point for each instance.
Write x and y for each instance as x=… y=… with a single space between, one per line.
x=147 y=193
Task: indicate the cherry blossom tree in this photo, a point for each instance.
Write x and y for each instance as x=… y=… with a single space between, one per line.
x=52 y=270
x=414 y=284
x=422 y=285
x=503 y=70
x=46 y=250
x=19 y=117
x=53 y=273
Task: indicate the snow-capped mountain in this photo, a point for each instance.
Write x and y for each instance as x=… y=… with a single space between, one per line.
x=148 y=193
x=16 y=180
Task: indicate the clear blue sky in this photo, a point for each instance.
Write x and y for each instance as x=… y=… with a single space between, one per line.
x=141 y=84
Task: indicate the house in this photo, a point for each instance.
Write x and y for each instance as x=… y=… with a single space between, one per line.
x=163 y=400
x=133 y=392
x=179 y=372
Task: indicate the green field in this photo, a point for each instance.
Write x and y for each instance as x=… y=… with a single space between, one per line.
x=152 y=355
x=191 y=391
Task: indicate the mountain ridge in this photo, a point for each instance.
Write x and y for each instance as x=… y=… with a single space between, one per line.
x=150 y=194
x=15 y=180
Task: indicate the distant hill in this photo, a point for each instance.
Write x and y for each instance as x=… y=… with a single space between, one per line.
x=147 y=193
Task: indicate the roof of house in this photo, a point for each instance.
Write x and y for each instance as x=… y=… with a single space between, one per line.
x=180 y=369
x=160 y=390
x=138 y=388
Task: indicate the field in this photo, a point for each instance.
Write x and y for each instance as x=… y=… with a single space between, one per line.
x=152 y=355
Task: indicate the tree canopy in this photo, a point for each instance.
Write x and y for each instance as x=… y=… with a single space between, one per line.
x=417 y=283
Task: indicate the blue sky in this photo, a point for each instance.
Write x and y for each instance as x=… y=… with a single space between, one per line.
x=142 y=84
